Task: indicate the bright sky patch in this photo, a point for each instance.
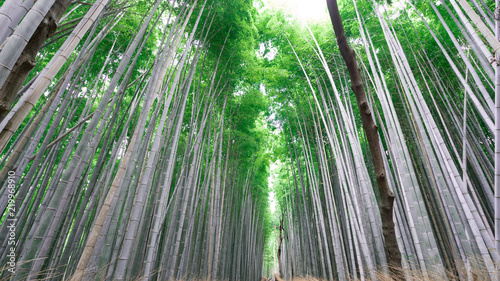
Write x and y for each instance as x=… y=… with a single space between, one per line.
x=304 y=10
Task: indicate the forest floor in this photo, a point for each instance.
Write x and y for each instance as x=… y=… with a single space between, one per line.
x=475 y=273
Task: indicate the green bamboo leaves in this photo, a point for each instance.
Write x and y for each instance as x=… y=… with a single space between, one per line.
x=140 y=163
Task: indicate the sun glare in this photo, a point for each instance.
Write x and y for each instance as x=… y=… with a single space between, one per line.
x=305 y=10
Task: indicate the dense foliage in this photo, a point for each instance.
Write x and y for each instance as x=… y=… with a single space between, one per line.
x=153 y=138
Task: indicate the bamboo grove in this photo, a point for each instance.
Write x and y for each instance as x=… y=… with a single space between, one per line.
x=137 y=138
x=137 y=154
x=432 y=101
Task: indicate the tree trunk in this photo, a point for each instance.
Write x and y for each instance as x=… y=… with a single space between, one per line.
x=280 y=238
x=26 y=60
x=386 y=196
